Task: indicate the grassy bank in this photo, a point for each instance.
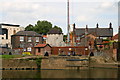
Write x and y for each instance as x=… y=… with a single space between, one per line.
x=10 y=56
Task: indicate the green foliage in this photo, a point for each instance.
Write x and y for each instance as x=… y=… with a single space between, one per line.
x=64 y=38
x=10 y=56
x=56 y=27
x=41 y=27
x=38 y=62
x=29 y=28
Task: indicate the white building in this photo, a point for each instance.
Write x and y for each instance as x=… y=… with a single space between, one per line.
x=55 y=38
x=6 y=30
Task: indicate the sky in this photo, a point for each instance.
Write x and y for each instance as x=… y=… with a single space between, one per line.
x=82 y=12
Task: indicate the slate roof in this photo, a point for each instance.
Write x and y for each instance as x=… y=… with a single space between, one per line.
x=54 y=31
x=26 y=33
x=96 y=31
x=42 y=45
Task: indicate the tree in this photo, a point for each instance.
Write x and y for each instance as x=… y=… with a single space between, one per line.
x=41 y=27
x=56 y=27
x=65 y=38
x=29 y=28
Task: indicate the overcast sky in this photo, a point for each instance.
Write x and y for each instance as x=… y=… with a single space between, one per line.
x=82 y=12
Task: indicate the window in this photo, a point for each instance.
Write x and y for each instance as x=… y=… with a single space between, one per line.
x=21 y=38
x=21 y=45
x=29 y=49
x=24 y=49
x=37 y=39
x=78 y=38
x=29 y=39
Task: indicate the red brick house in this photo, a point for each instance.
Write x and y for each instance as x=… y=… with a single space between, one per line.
x=40 y=49
x=24 y=41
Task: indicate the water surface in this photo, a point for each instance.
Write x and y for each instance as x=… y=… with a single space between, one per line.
x=87 y=73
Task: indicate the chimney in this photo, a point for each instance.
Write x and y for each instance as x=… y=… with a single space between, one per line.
x=86 y=29
x=110 y=25
x=97 y=25
x=73 y=26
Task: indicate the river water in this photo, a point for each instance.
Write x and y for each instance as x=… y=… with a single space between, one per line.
x=87 y=73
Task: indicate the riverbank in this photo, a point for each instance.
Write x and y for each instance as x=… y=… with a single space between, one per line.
x=57 y=62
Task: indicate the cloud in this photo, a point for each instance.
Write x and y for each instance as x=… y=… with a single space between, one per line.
x=82 y=13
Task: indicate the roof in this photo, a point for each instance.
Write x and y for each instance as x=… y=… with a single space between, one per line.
x=26 y=33
x=95 y=31
x=9 y=25
x=54 y=31
x=42 y=45
x=115 y=37
x=44 y=36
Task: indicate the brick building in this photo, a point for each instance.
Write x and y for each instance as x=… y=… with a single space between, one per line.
x=24 y=41
x=40 y=49
x=79 y=50
x=99 y=33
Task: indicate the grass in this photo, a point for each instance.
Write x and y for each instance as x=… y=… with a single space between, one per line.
x=10 y=56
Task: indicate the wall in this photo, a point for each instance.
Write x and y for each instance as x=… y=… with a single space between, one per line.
x=64 y=50
x=55 y=40
x=18 y=63
x=59 y=62
x=52 y=62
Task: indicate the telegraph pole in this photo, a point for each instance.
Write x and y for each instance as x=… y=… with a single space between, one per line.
x=68 y=26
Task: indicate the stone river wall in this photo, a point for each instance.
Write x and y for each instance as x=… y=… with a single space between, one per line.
x=58 y=62
x=63 y=62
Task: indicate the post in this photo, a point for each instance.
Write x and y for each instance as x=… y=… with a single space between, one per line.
x=68 y=27
x=118 y=49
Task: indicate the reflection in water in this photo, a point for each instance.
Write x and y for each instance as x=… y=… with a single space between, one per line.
x=118 y=75
x=88 y=73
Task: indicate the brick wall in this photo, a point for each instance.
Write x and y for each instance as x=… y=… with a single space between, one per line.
x=65 y=50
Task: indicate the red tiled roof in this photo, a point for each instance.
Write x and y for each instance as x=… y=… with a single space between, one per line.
x=40 y=45
x=45 y=36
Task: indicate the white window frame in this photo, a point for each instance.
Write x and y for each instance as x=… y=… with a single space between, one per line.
x=78 y=38
x=21 y=38
x=24 y=49
x=37 y=39
x=29 y=39
x=29 y=49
